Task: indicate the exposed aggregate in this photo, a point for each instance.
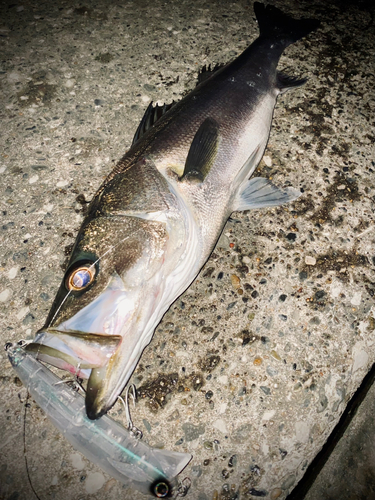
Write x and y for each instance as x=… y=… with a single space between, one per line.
x=252 y=367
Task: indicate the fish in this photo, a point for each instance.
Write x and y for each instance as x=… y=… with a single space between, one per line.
x=156 y=218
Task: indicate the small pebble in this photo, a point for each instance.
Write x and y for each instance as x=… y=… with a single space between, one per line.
x=192 y=431
x=109 y=484
x=310 y=261
x=275 y=493
x=5 y=294
x=257 y=493
x=258 y=361
x=12 y=273
x=275 y=355
x=94 y=482
x=77 y=462
x=271 y=371
x=196 y=470
x=33 y=179
x=236 y=282
x=220 y=425
x=267 y=160
x=208 y=394
x=70 y=83
x=22 y=312
x=62 y=183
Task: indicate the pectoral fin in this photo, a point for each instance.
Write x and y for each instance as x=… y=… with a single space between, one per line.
x=259 y=193
x=202 y=152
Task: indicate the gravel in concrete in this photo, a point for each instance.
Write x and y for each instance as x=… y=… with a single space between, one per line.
x=252 y=367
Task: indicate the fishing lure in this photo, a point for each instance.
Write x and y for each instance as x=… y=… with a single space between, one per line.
x=115 y=449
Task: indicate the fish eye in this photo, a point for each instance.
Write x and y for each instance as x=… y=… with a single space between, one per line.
x=81 y=277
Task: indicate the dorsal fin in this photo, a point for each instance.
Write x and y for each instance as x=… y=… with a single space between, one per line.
x=208 y=71
x=202 y=152
x=151 y=116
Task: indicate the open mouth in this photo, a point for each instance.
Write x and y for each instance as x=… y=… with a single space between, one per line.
x=88 y=344
x=90 y=337
x=75 y=352
x=85 y=355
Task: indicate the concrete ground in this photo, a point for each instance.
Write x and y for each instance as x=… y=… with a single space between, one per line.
x=349 y=464
x=251 y=369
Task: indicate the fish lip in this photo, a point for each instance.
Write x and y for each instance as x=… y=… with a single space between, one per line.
x=94 y=403
x=105 y=383
x=74 y=351
x=92 y=413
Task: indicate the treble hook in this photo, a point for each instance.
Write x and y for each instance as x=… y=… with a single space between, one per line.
x=183 y=487
x=137 y=433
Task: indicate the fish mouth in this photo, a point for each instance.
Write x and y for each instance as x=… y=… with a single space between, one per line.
x=95 y=357
x=84 y=355
x=101 y=342
x=74 y=352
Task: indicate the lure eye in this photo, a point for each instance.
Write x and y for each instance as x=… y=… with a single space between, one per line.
x=161 y=489
x=81 y=278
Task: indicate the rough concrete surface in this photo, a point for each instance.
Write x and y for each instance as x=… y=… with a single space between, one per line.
x=349 y=472
x=252 y=367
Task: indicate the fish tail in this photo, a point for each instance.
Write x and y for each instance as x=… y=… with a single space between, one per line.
x=279 y=26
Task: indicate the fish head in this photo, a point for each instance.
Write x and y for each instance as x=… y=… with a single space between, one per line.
x=99 y=322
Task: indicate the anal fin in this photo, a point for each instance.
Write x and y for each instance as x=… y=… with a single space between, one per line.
x=260 y=193
x=286 y=82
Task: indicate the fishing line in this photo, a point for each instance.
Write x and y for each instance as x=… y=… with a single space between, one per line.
x=40 y=345
x=24 y=445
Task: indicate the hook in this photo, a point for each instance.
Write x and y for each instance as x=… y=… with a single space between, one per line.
x=183 y=487
x=137 y=433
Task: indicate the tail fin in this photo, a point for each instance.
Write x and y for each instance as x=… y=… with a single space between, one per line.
x=275 y=24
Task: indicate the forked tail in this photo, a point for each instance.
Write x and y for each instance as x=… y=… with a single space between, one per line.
x=276 y=25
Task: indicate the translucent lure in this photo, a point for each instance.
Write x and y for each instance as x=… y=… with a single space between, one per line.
x=105 y=442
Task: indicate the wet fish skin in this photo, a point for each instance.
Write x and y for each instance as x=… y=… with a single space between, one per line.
x=156 y=218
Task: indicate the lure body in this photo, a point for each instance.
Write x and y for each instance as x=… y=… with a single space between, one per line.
x=105 y=442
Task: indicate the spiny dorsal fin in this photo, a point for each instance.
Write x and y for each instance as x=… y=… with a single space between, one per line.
x=208 y=71
x=202 y=152
x=151 y=116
